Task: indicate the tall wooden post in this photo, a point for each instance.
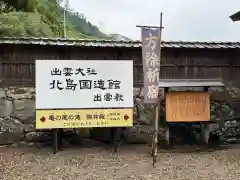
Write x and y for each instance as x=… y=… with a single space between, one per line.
x=158 y=106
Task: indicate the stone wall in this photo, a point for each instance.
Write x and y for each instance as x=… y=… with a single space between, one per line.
x=17 y=118
x=17 y=114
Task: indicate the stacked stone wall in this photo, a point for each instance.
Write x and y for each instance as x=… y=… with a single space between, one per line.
x=17 y=118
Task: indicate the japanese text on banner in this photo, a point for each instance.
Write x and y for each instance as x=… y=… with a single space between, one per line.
x=151 y=63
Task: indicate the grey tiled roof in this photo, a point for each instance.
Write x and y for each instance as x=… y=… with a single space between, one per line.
x=111 y=43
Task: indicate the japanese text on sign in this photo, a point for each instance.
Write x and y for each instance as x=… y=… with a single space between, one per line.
x=68 y=71
x=151 y=64
x=50 y=119
x=187 y=106
x=84 y=84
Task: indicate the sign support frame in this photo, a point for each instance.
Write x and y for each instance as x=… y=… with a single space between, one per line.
x=191 y=83
x=53 y=120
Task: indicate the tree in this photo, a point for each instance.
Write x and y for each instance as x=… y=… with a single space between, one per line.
x=18 y=24
x=43 y=18
x=24 y=5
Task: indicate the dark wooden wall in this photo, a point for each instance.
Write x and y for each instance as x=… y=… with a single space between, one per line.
x=17 y=67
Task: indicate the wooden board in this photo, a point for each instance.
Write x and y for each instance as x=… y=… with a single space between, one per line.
x=187 y=106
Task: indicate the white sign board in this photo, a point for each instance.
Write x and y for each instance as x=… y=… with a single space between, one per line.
x=65 y=84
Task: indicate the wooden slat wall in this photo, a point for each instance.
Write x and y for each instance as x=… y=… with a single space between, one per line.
x=17 y=67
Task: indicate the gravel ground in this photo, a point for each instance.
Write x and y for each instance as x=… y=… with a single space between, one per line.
x=132 y=162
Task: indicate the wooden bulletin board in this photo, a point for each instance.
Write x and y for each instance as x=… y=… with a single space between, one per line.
x=187 y=106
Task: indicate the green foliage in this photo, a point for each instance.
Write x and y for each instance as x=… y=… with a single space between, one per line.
x=16 y=24
x=23 y=5
x=6 y=8
x=79 y=23
x=43 y=18
x=51 y=16
x=10 y=25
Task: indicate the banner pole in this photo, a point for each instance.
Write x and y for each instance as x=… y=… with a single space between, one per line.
x=158 y=106
x=154 y=85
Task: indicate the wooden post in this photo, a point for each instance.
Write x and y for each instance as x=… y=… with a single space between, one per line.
x=158 y=106
x=113 y=138
x=205 y=128
x=167 y=130
x=55 y=141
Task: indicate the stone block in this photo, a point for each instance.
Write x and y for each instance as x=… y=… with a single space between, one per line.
x=6 y=107
x=11 y=131
x=25 y=110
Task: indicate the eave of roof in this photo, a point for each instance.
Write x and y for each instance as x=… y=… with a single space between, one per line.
x=191 y=83
x=113 y=43
x=236 y=16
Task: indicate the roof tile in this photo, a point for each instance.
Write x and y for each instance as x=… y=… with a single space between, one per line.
x=112 y=43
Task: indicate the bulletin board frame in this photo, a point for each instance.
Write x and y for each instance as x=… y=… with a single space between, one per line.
x=187 y=106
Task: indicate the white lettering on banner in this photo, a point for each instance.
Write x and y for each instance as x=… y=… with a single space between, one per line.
x=62 y=84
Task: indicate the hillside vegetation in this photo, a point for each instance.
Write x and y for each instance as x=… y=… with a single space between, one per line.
x=43 y=18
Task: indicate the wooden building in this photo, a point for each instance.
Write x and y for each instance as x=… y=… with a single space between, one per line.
x=194 y=60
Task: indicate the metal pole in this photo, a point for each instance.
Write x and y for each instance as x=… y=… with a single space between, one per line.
x=159 y=104
x=64 y=19
x=64 y=23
